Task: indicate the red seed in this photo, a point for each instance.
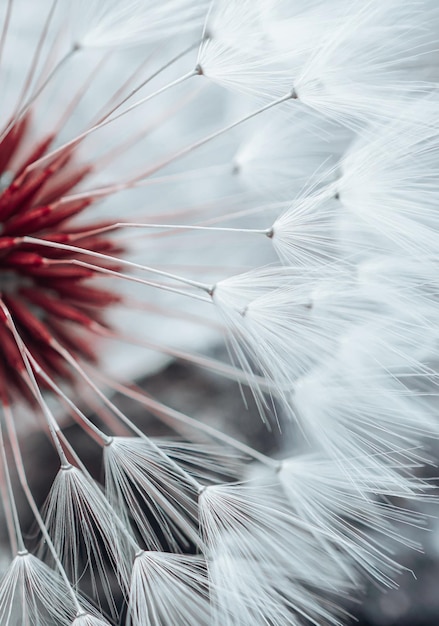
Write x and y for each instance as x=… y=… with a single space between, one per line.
x=21 y=314
x=18 y=196
x=60 y=184
x=27 y=223
x=83 y=231
x=61 y=213
x=24 y=259
x=56 y=307
x=10 y=351
x=56 y=237
x=7 y=243
x=4 y=385
x=52 y=364
x=36 y=153
x=70 y=272
x=12 y=141
x=84 y=294
x=72 y=341
x=42 y=217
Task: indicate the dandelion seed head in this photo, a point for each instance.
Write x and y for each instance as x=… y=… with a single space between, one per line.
x=173 y=175
x=50 y=297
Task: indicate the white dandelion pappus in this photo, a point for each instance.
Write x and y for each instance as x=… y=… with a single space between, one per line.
x=101 y=23
x=360 y=70
x=169 y=589
x=287 y=152
x=31 y=591
x=89 y=620
x=377 y=419
x=143 y=205
x=390 y=182
x=324 y=495
x=249 y=571
x=79 y=518
x=144 y=486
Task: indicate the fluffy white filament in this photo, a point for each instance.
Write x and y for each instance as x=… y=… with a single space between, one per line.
x=263 y=171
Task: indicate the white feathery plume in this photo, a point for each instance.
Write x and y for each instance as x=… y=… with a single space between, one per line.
x=232 y=297
x=337 y=168
x=320 y=492
x=258 y=549
x=32 y=593
x=109 y=23
x=287 y=329
x=307 y=232
x=235 y=52
x=236 y=291
x=144 y=485
x=236 y=521
x=361 y=71
x=301 y=27
x=268 y=596
x=286 y=152
x=169 y=589
x=403 y=284
x=204 y=461
x=356 y=407
x=89 y=620
x=226 y=18
x=392 y=353
x=80 y=520
x=389 y=181
x=282 y=323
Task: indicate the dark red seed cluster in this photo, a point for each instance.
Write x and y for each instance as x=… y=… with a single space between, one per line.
x=49 y=298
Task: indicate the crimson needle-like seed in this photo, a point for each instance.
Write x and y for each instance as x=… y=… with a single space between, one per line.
x=42 y=289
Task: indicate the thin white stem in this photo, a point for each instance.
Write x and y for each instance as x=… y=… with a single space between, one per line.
x=68 y=55
x=103 y=439
x=72 y=361
x=233 y=215
x=159 y=71
x=128 y=277
x=31 y=501
x=6 y=502
x=76 y=140
x=76 y=99
x=106 y=257
x=36 y=57
x=51 y=422
x=158 y=92
x=12 y=519
x=5 y=28
x=173 y=313
x=254 y=210
x=140 y=179
x=227 y=371
x=102 y=412
x=188 y=175
x=212 y=136
x=159 y=180
x=101 y=162
x=152 y=226
x=161 y=409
